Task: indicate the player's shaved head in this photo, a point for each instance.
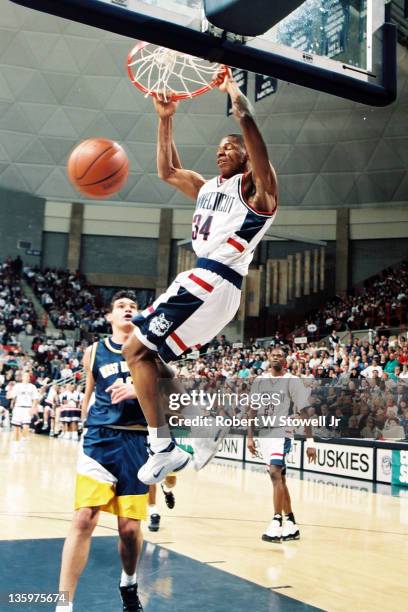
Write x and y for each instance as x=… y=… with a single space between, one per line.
x=238 y=138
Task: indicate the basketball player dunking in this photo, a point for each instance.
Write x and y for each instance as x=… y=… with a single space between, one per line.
x=233 y=212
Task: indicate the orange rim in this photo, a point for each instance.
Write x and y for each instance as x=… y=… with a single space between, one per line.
x=224 y=70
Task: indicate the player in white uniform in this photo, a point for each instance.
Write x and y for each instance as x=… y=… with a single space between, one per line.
x=25 y=398
x=233 y=212
x=71 y=401
x=275 y=441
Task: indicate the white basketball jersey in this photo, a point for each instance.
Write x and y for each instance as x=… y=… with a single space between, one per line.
x=73 y=398
x=25 y=394
x=225 y=227
x=288 y=388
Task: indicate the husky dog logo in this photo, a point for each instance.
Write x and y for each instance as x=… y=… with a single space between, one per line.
x=159 y=325
x=386 y=465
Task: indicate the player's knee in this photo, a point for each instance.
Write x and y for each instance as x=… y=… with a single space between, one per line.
x=275 y=472
x=85 y=521
x=129 y=530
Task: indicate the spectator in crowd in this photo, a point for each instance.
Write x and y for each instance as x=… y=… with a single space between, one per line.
x=393 y=430
x=370 y=430
x=334 y=339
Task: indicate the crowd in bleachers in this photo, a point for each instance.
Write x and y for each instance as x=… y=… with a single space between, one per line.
x=362 y=382
x=381 y=302
x=17 y=314
x=68 y=299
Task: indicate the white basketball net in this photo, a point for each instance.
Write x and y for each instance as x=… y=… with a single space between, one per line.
x=173 y=75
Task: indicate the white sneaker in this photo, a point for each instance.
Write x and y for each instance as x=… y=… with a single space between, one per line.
x=75 y=436
x=290 y=531
x=205 y=449
x=274 y=532
x=171 y=459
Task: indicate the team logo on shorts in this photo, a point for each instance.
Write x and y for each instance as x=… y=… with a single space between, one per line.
x=159 y=325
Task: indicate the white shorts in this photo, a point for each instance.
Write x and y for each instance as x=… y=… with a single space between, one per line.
x=21 y=415
x=194 y=309
x=274 y=450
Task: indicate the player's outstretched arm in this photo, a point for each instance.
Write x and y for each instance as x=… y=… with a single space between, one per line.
x=168 y=162
x=264 y=181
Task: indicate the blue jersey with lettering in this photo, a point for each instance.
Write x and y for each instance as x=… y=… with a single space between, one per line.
x=107 y=366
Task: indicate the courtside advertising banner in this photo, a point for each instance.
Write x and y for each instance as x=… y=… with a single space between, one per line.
x=231 y=448
x=342 y=460
x=400 y=468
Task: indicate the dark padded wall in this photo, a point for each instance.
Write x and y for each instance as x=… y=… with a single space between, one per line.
x=369 y=257
x=116 y=255
x=21 y=218
x=55 y=249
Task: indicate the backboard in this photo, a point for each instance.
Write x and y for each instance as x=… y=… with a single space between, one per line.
x=342 y=47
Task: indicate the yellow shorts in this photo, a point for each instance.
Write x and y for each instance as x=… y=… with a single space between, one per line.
x=108 y=463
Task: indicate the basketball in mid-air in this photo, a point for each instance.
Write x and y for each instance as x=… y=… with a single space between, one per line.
x=98 y=167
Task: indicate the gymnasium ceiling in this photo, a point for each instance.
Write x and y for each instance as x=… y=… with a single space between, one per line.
x=62 y=82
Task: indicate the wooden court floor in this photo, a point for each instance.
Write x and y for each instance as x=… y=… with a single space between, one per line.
x=353 y=551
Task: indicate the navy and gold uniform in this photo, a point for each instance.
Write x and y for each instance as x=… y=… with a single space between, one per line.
x=114 y=445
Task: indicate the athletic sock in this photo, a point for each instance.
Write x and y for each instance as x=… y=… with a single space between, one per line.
x=159 y=438
x=69 y=607
x=152 y=509
x=278 y=517
x=290 y=517
x=126 y=580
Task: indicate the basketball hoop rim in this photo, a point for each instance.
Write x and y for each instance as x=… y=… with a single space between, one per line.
x=177 y=96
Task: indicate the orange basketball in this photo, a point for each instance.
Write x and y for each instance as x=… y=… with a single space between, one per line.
x=98 y=167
